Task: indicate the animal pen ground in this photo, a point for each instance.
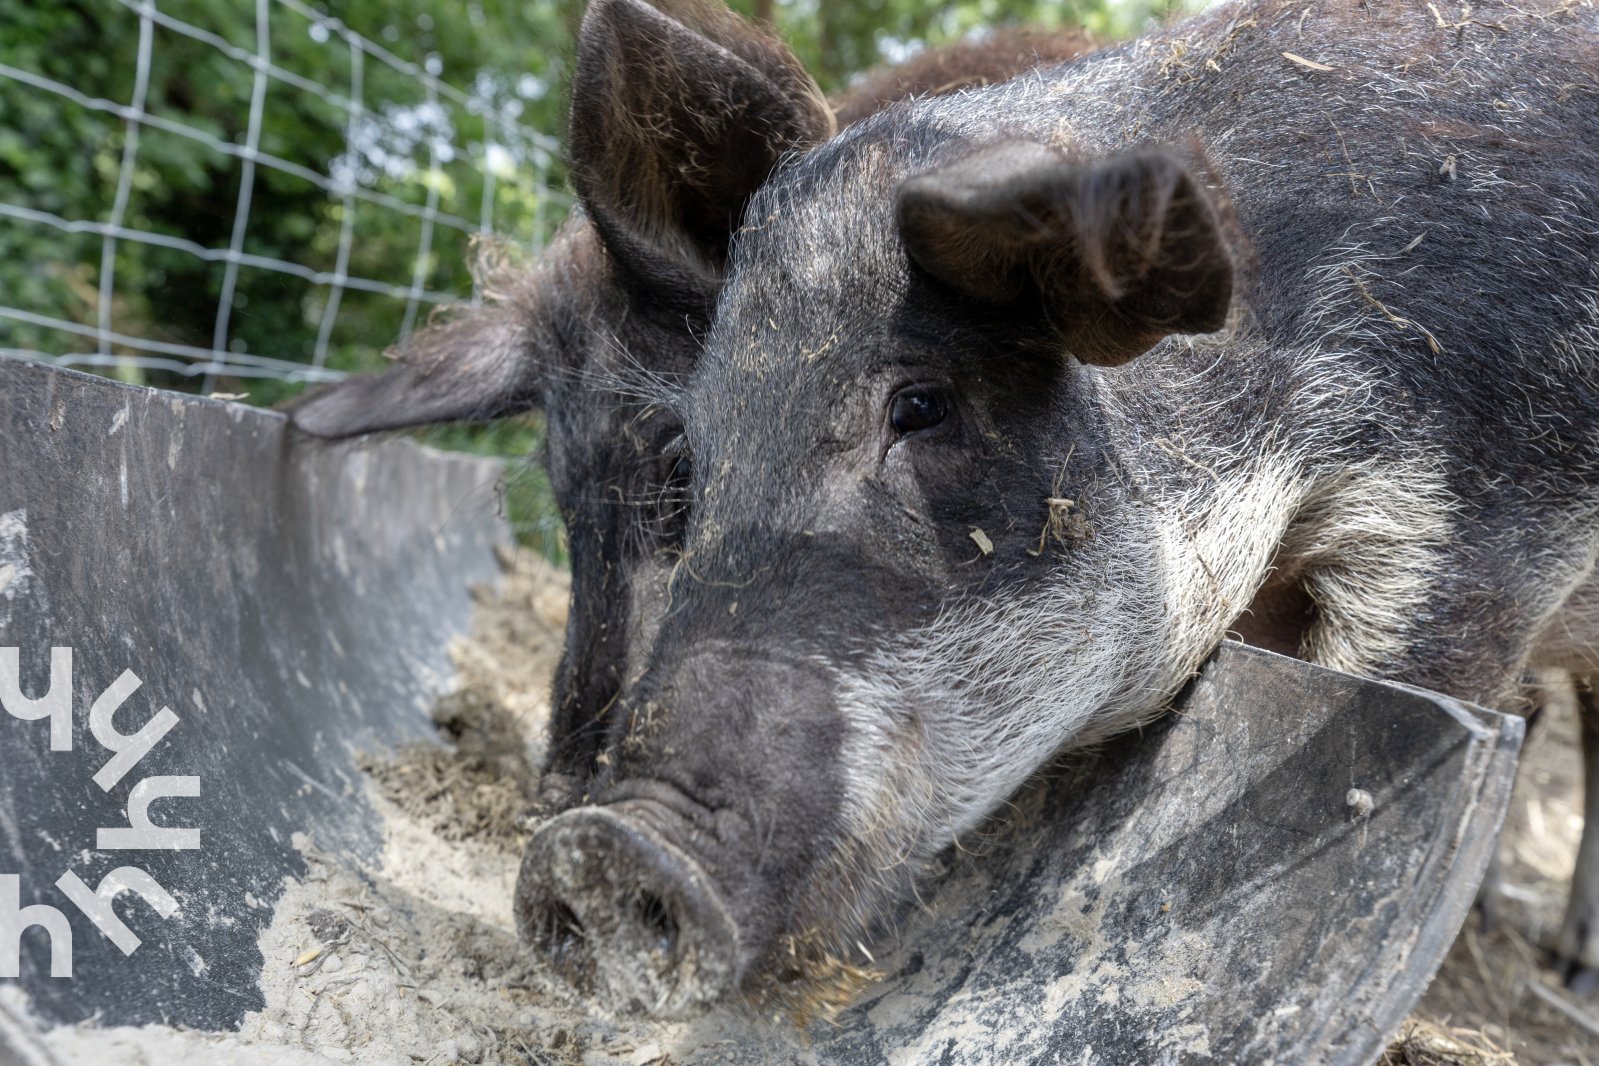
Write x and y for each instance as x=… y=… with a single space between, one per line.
x=413 y=956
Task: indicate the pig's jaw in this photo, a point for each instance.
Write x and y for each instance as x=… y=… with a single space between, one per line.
x=944 y=723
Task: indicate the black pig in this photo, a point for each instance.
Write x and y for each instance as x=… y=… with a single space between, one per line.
x=1284 y=322
x=582 y=337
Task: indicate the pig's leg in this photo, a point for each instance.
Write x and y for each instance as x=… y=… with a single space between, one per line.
x=1577 y=948
x=1491 y=891
x=1543 y=688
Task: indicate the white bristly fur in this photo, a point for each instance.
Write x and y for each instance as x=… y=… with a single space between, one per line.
x=946 y=722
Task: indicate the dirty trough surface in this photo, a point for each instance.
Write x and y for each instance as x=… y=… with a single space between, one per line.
x=1202 y=892
x=413 y=957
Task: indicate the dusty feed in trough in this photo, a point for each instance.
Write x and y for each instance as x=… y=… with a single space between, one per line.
x=1202 y=890
x=415 y=961
x=413 y=957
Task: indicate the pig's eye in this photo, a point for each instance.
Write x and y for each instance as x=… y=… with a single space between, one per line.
x=917 y=408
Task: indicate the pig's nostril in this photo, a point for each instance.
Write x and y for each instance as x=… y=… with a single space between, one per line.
x=622 y=910
x=558 y=932
x=660 y=928
x=563 y=934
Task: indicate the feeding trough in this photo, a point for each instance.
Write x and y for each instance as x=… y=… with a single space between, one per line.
x=1272 y=874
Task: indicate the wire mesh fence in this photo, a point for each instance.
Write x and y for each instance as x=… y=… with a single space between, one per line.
x=251 y=195
x=432 y=157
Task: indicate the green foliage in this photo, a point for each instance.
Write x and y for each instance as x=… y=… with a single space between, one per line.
x=836 y=39
x=60 y=157
x=525 y=498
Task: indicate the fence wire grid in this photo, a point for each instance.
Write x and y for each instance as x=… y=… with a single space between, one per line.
x=354 y=180
x=399 y=171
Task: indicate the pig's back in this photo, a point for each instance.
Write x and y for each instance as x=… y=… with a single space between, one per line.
x=1423 y=213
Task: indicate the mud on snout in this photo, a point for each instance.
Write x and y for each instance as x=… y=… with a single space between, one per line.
x=693 y=874
x=626 y=916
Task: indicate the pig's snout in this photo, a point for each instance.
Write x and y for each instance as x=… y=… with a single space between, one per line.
x=625 y=915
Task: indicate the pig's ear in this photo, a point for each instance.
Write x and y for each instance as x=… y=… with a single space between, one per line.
x=1115 y=252
x=680 y=111
x=478 y=365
